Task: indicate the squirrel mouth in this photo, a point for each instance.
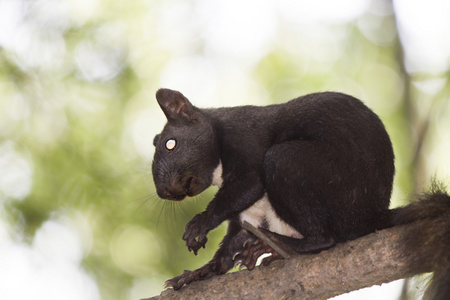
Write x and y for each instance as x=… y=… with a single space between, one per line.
x=180 y=194
x=188 y=187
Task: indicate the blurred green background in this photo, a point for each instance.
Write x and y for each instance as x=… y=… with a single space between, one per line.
x=79 y=217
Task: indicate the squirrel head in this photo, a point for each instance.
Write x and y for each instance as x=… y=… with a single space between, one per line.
x=186 y=151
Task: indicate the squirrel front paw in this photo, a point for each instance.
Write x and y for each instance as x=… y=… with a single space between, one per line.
x=195 y=233
x=214 y=267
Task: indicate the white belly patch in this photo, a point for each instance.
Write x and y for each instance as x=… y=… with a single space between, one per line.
x=260 y=212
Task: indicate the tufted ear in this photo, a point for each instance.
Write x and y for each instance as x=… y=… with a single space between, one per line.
x=175 y=106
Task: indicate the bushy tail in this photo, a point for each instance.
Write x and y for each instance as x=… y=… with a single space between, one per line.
x=428 y=205
x=433 y=205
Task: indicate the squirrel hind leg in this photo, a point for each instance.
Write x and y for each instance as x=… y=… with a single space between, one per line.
x=307 y=244
x=286 y=247
x=297 y=182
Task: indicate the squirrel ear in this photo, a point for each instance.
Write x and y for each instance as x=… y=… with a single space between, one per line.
x=175 y=106
x=156 y=139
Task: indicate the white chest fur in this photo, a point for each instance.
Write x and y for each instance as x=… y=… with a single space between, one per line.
x=217 y=176
x=260 y=212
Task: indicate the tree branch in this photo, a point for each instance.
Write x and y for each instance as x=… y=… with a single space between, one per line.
x=374 y=259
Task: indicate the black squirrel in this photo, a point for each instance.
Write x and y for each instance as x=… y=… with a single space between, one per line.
x=312 y=172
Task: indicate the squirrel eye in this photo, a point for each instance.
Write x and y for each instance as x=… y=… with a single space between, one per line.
x=170 y=144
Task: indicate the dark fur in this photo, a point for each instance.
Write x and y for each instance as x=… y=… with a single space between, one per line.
x=325 y=161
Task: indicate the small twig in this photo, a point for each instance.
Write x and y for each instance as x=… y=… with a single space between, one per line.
x=249 y=227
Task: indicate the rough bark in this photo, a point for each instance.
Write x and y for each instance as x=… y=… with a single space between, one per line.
x=374 y=259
